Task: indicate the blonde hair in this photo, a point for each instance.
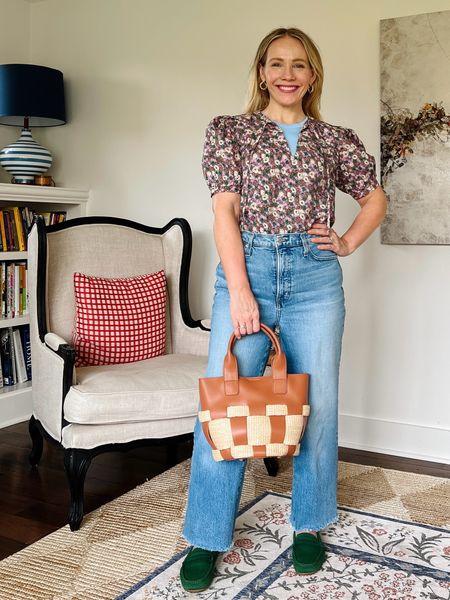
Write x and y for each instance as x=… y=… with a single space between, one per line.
x=258 y=99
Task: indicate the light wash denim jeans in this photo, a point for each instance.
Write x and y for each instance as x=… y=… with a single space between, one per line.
x=299 y=293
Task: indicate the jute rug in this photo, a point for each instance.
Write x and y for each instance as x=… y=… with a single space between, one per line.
x=124 y=541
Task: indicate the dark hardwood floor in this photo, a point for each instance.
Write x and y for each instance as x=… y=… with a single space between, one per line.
x=34 y=501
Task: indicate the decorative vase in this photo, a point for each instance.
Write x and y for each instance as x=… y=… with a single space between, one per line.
x=25 y=158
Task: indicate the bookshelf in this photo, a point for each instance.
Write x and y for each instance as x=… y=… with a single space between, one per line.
x=15 y=400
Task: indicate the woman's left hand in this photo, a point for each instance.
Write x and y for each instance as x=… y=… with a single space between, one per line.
x=328 y=240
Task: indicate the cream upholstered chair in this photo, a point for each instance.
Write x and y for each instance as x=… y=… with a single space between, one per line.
x=91 y=410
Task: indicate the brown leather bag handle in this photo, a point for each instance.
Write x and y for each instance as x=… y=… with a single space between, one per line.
x=279 y=369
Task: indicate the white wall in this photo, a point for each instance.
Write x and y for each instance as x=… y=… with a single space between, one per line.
x=143 y=80
x=14 y=31
x=14 y=48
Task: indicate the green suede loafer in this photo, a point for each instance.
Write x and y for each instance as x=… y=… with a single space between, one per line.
x=308 y=553
x=197 y=570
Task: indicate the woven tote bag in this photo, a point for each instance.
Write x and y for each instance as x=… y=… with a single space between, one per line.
x=254 y=417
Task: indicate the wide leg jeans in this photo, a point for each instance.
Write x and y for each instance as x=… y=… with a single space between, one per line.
x=299 y=293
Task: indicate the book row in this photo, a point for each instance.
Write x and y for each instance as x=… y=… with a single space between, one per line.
x=13 y=290
x=15 y=355
x=15 y=224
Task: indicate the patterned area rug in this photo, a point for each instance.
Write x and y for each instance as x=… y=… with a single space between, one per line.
x=368 y=556
x=124 y=541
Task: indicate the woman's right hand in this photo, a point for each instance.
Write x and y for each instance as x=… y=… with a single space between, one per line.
x=244 y=312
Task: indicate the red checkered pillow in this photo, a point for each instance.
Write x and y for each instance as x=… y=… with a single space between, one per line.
x=119 y=320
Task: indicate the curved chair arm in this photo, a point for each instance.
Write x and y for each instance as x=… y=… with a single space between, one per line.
x=63 y=349
x=53 y=374
x=54 y=341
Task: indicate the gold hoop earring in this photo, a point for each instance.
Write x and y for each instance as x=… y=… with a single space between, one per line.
x=311 y=89
x=261 y=83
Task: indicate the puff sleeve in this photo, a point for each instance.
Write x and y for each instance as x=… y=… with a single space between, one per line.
x=356 y=171
x=221 y=161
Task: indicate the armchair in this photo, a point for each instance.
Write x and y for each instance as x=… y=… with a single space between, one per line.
x=96 y=409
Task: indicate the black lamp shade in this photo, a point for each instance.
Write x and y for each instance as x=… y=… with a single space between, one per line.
x=31 y=91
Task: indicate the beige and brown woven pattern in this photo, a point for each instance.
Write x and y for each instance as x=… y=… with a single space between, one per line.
x=124 y=540
x=242 y=434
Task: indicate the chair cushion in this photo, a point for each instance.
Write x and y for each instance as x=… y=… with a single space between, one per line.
x=86 y=436
x=119 y=320
x=165 y=387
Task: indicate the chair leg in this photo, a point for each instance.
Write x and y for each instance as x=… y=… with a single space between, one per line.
x=271 y=466
x=76 y=464
x=37 y=441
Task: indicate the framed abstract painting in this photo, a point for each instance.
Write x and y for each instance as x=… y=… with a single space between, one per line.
x=415 y=128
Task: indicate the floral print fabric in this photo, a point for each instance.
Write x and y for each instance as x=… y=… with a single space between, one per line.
x=280 y=192
x=369 y=557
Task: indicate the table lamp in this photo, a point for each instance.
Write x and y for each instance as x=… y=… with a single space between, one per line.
x=30 y=96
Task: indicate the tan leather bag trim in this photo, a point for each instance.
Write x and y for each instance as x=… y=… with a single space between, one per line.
x=239 y=429
x=278 y=424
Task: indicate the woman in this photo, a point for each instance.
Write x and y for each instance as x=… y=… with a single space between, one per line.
x=272 y=173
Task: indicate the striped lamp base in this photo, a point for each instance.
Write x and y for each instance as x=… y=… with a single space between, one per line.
x=25 y=158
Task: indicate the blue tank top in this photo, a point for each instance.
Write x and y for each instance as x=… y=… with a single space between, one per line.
x=292 y=132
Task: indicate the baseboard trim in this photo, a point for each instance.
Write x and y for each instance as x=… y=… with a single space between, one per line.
x=393 y=453
x=25 y=417
x=408 y=440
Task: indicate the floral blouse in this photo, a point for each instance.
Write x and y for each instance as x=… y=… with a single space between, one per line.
x=281 y=192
